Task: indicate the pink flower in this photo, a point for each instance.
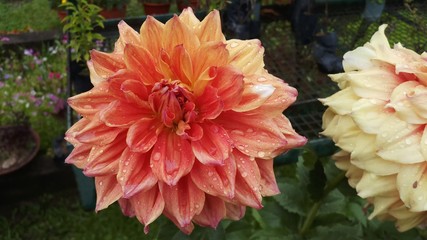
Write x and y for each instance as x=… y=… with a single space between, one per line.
x=182 y=122
x=379 y=120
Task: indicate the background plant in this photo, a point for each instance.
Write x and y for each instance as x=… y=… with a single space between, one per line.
x=83 y=18
x=32 y=83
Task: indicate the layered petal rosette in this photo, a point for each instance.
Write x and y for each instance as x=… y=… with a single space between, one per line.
x=378 y=119
x=182 y=122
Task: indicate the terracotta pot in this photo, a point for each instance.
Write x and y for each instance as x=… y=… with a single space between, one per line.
x=156 y=8
x=61 y=14
x=182 y=4
x=18 y=146
x=114 y=13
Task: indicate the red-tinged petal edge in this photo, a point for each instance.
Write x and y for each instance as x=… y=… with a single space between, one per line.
x=184 y=200
x=126 y=207
x=209 y=104
x=96 y=132
x=119 y=114
x=89 y=103
x=107 y=191
x=213 y=212
x=215 y=145
x=148 y=206
x=247 y=181
x=79 y=156
x=187 y=229
x=229 y=82
x=106 y=64
x=268 y=184
x=234 y=211
x=134 y=173
x=171 y=157
x=216 y=180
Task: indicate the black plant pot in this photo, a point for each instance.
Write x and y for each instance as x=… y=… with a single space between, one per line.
x=324 y=52
x=242 y=19
x=80 y=77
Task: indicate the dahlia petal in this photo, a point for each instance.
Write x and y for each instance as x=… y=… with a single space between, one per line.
x=96 y=132
x=95 y=79
x=106 y=64
x=148 y=205
x=126 y=207
x=371 y=185
x=403 y=99
x=177 y=33
x=151 y=34
x=424 y=143
x=213 y=212
x=358 y=59
x=134 y=173
x=229 y=82
x=282 y=97
x=72 y=132
x=188 y=18
x=192 y=131
x=89 y=103
x=254 y=135
x=103 y=159
x=122 y=82
x=215 y=180
x=343 y=132
x=293 y=139
x=210 y=28
x=107 y=191
x=214 y=146
x=79 y=155
x=246 y=55
x=208 y=55
x=247 y=182
x=142 y=135
x=411 y=182
x=172 y=157
x=210 y=105
x=181 y=65
x=141 y=61
x=234 y=211
x=382 y=205
x=254 y=95
x=119 y=114
x=127 y=34
x=184 y=200
x=341 y=102
x=376 y=83
x=135 y=92
x=369 y=114
x=364 y=157
x=400 y=142
x=187 y=229
x=268 y=184
x=406 y=219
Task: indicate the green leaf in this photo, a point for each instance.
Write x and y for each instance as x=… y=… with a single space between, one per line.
x=293 y=198
x=337 y=231
x=334 y=202
x=317 y=181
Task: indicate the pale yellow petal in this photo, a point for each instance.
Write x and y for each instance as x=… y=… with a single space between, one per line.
x=371 y=185
x=412 y=184
x=370 y=114
x=341 y=102
x=247 y=55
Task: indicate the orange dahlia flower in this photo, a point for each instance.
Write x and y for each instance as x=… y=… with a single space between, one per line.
x=379 y=120
x=181 y=122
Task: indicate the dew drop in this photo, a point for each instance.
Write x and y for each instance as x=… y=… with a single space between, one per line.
x=238 y=132
x=262 y=79
x=215 y=179
x=407 y=141
x=126 y=163
x=124 y=170
x=234 y=44
x=121 y=179
x=156 y=156
x=196 y=206
x=244 y=174
x=210 y=173
x=261 y=154
x=100 y=183
x=250 y=130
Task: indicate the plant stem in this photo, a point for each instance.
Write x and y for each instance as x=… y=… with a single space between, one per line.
x=315 y=207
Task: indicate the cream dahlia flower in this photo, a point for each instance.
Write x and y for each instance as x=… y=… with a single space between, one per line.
x=378 y=119
x=181 y=122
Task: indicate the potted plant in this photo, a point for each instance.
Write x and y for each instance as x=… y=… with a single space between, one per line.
x=153 y=7
x=112 y=8
x=242 y=19
x=80 y=24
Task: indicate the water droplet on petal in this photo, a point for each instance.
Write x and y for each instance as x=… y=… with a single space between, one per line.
x=100 y=183
x=156 y=156
x=210 y=173
x=262 y=79
x=261 y=154
x=244 y=174
x=234 y=44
